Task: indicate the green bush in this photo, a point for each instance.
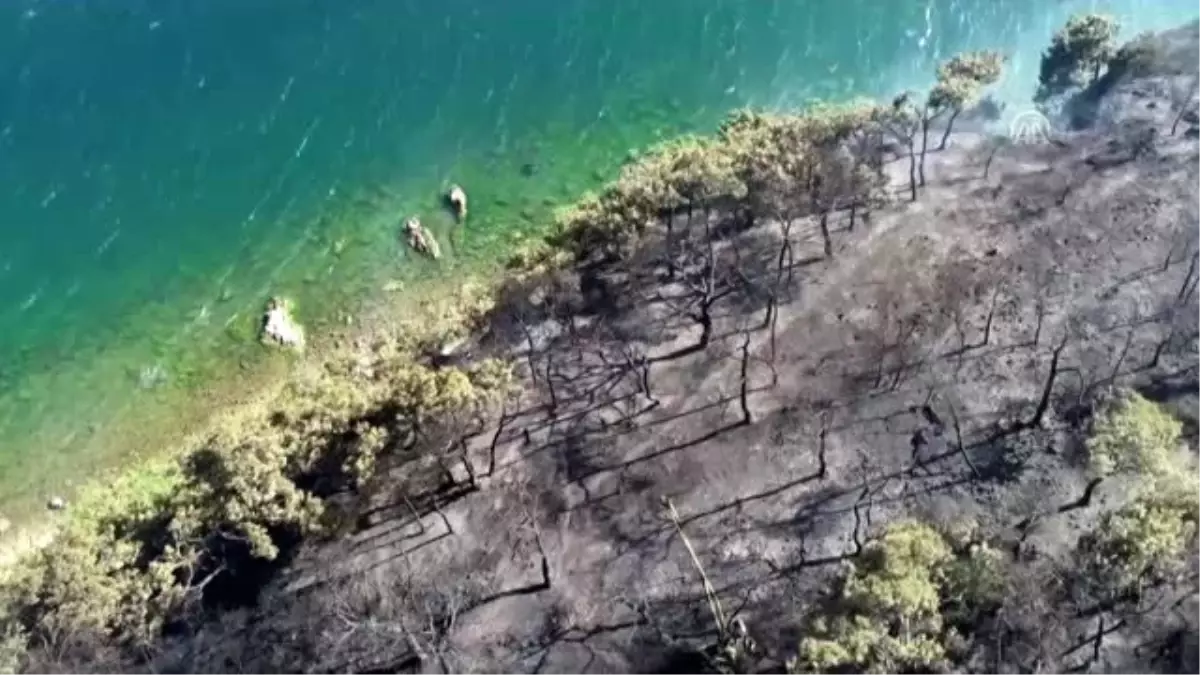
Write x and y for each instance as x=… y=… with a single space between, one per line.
x=135 y=557
x=1138 y=57
x=974 y=584
x=12 y=647
x=1134 y=436
x=899 y=606
x=1145 y=542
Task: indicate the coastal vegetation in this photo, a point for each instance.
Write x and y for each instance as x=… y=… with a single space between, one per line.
x=695 y=252
x=1078 y=55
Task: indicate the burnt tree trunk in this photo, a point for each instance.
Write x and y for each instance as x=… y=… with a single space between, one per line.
x=710 y=282
x=1116 y=371
x=744 y=394
x=987 y=326
x=496 y=439
x=924 y=147
x=787 y=256
x=1183 y=105
x=822 y=464
x=987 y=166
x=949 y=127
x=670 y=245
x=828 y=241
x=1048 y=388
x=1160 y=348
x=912 y=170
x=1085 y=499
x=962 y=448
x=1040 y=309
x=550 y=382
x=1187 y=280
x=774 y=338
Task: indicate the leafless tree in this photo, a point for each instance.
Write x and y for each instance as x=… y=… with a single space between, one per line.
x=744 y=384
x=1048 y=387
x=1182 y=95
x=903 y=124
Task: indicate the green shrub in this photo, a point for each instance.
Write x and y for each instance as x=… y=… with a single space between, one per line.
x=1138 y=57
x=974 y=584
x=897 y=607
x=13 y=641
x=135 y=556
x=1131 y=434
x=1145 y=542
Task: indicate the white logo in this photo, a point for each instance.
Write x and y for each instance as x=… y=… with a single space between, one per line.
x=1028 y=127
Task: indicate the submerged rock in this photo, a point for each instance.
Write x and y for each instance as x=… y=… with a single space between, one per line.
x=420 y=239
x=279 y=328
x=456 y=197
x=152 y=376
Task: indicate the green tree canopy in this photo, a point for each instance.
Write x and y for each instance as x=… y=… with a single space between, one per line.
x=1143 y=542
x=898 y=602
x=961 y=80
x=1077 y=54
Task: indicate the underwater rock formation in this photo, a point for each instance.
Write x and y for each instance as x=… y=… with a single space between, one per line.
x=457 y=199
x=420 y=239
x=279 y=327
x=152 y=376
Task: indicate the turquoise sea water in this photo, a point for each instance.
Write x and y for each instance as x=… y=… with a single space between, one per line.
x=165 y=165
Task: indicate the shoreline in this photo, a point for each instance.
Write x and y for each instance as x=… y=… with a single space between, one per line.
x=225 y=402
x=508 y=209
x=223 y=387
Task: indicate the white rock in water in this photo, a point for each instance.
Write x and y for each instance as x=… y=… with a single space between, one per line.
x=458 y=201
x=279 y=326
x=152 y=376
x=56 y=503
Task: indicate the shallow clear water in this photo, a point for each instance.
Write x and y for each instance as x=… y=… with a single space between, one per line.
x=167 y=164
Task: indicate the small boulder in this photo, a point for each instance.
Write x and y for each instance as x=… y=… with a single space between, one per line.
x=152 y=376
x=279 y=328
x=420 y=239
x=56 y=503
x=457 y=199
